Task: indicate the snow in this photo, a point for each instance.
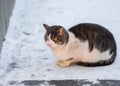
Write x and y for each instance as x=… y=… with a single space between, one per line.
x=25 y=56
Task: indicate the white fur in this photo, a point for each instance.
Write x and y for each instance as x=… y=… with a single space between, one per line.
x=50 y=43
x=77 y=50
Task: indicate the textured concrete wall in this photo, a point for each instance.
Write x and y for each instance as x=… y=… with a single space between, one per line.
x=6 y=7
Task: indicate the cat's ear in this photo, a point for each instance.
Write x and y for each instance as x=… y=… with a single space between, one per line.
x=61 y=31
x=46 y=26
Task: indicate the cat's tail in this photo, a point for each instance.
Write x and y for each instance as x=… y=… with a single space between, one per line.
x=99 y=63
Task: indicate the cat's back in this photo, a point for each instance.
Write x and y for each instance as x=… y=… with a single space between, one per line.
x=89 y=27
x=96 y=35
x=99 y=38
x=85 y=31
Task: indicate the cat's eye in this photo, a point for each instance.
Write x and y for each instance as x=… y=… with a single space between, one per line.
x=59 y=37
x=55 y=39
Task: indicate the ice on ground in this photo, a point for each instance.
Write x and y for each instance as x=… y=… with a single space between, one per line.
x=25 y=55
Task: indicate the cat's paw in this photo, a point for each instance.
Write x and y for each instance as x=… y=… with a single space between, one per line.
x=63 y=63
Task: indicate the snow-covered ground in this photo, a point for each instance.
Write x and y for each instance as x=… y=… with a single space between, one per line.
x=25 y=55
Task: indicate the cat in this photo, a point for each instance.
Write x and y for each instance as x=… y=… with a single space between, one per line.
x=85 y=44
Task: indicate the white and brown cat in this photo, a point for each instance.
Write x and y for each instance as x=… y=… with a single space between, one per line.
x=85 y=44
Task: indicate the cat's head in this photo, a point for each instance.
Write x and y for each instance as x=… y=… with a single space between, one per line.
x=56 y=36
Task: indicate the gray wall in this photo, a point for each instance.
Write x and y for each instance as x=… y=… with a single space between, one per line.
x=6 y=7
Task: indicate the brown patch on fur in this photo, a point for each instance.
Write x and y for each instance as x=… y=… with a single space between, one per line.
x=55 y=39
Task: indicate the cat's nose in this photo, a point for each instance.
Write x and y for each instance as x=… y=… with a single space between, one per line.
x=49 y=45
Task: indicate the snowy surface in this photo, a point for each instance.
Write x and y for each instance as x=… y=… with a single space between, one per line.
x=25 y=56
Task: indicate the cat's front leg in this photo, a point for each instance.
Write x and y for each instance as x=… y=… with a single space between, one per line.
x=65 y=63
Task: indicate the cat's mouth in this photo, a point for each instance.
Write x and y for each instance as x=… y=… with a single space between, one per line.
x=49 y=45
